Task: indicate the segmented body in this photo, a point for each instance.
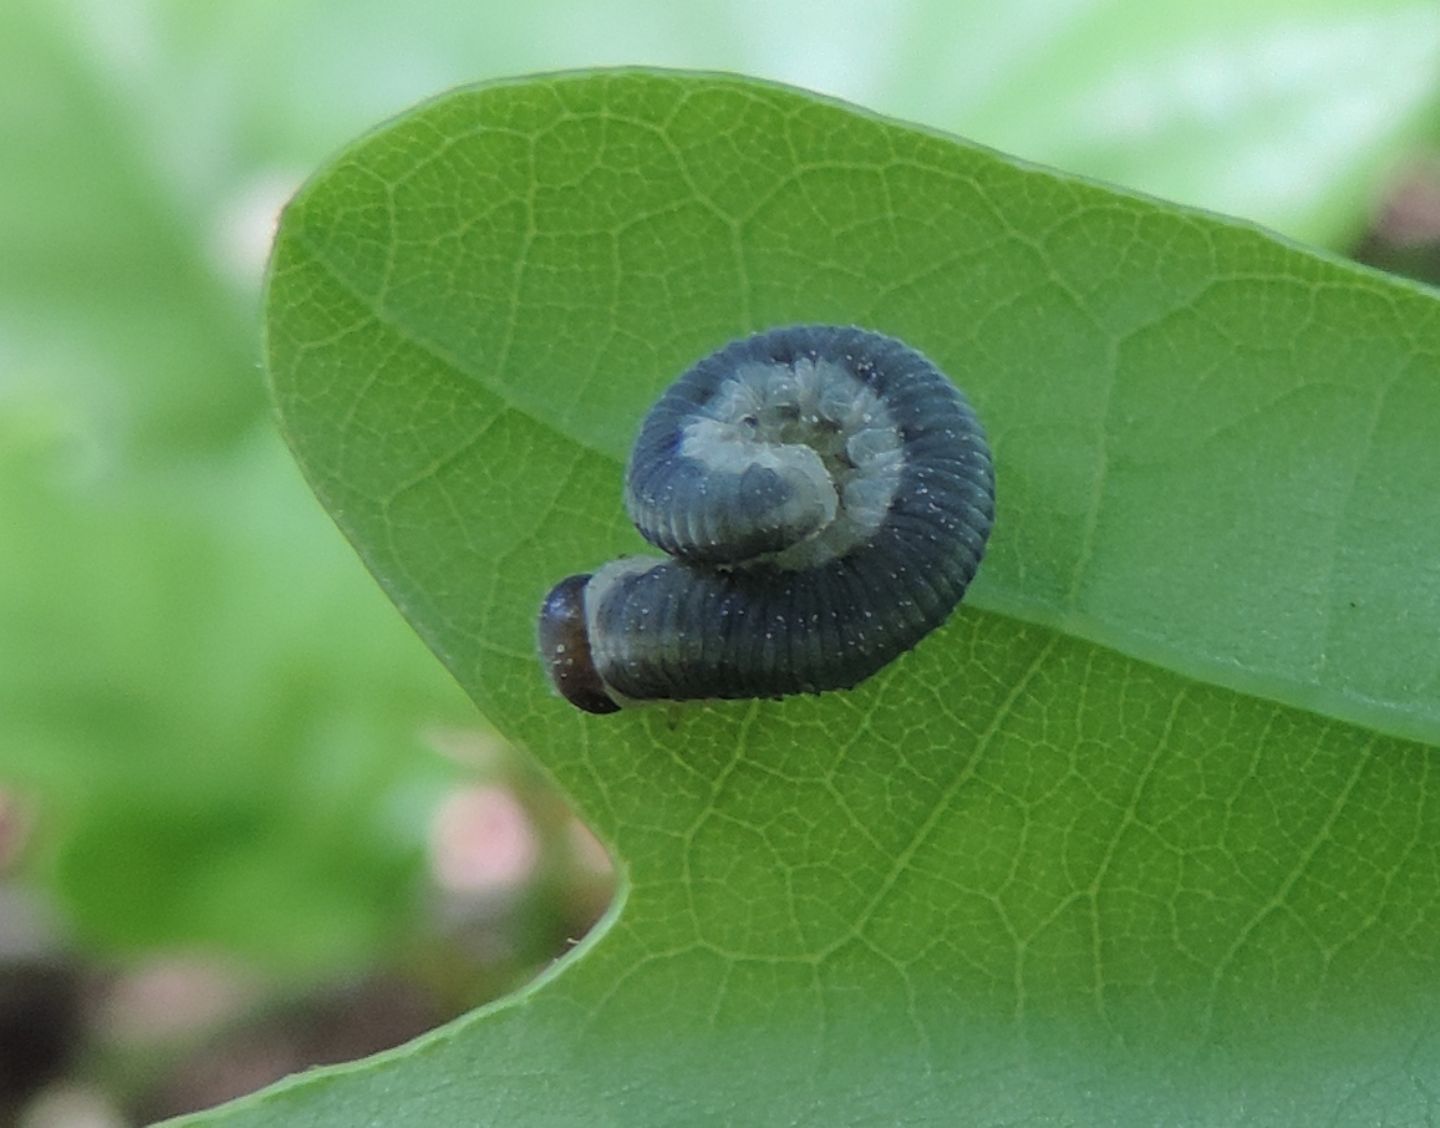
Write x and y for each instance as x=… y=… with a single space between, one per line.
x=824 y=494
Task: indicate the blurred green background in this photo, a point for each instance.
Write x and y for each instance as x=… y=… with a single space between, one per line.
x=245 y=818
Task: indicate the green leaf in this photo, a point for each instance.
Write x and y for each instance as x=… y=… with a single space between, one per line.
x=1126 y=840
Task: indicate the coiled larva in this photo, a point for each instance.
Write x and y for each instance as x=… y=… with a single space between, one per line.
x=824 y=494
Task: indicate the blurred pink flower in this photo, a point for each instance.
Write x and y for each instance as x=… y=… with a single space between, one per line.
x=482 y=840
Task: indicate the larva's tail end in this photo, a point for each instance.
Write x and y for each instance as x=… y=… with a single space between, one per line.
x=564 y=641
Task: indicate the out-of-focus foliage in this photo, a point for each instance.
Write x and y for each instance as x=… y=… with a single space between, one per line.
x=216 y=715
x=214 y=710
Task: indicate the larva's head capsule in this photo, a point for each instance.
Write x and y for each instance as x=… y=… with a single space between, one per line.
x=565 y=647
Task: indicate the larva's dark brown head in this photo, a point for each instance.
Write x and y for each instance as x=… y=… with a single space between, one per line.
x=565 y=647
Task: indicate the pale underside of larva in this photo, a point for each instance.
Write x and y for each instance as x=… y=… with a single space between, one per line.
x=824 y=495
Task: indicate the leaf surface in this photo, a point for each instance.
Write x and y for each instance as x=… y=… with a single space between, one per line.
x=1127 y=839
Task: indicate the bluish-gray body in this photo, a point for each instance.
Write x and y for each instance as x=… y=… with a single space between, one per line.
x=826 y=494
